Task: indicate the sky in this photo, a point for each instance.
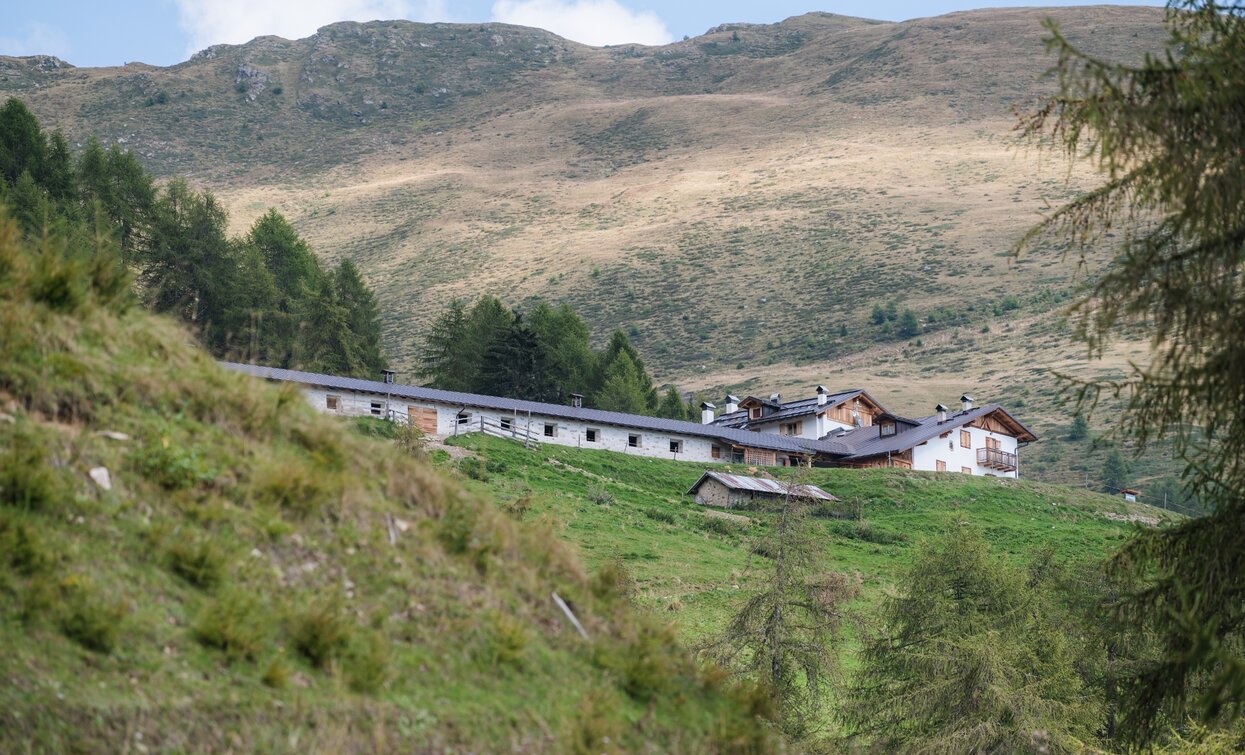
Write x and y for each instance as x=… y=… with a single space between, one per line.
x=163 y=32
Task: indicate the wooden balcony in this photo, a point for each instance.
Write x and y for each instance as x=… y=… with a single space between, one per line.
x=994 y=458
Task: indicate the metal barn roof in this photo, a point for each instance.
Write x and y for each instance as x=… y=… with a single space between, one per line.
x=763 y=485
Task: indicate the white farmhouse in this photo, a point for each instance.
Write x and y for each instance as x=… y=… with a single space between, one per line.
x=847 y=428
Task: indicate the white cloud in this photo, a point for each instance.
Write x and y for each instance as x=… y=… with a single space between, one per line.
x=592 y=22
x=35 y=38
x=213 y=22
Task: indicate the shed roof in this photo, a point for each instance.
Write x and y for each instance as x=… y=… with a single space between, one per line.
x=762 y=485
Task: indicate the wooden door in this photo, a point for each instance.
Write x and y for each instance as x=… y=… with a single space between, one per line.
x=425 y=418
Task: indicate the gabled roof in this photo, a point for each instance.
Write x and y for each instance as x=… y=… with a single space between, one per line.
x=762 y=485
x=868 y=441
x=789 y=409
x=725 y=435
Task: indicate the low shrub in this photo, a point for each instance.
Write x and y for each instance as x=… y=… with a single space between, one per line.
x=320 y=633
x=26 y=478
x=198 y=560
x=234 y=623
x=861 y=529
x=171 y=466
x=295 y=486
x=366 y=663
x=599 y=495
x=504 y=640
x=473 y=468
x=657 y=515
x=277 y=673
x=88 y=619
x=22 y=549
x=721 y=525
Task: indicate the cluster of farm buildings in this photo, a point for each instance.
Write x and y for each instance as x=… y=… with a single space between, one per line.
x=832 y=429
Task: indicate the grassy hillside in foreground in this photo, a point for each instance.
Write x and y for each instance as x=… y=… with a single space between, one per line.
x=694 y=566
x=252 y=576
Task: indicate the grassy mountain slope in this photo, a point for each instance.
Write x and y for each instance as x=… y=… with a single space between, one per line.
x=253 y=576
x=694 y=565
x=740 y=199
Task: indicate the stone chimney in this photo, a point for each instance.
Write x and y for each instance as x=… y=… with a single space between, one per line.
x=942 y=413
x=706 y=413
x=388 y=375
x=577 y=400
x=821 y=395
x=732 y=403
x=967 y=401
x=776 y=398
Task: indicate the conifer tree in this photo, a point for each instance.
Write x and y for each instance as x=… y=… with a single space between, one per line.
x=362 y=315
x=672 y=406
x=1079 y=429
x=1167 y=135
x=563 y=340
x=514 y=366
x=969 y=657
x=623 y=388
x=327 y=345
x=619 y=345
x=446 y=360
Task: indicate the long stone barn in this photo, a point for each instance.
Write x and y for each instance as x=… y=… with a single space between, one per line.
x=848 y=428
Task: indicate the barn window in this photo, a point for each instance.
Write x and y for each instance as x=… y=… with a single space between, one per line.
x=941 y=465
x=966 y=470
x=715 y=452
x=378 y=408
x=591 y=434
x=633 y=440
x=676 y=446
x=505 y=423
x=463 y=418
x=551 y=430
x=332 y=403
x=966 y=439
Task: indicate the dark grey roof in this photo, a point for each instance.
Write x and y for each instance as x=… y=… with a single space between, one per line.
x=867 y=441
x=767 y=441
x=797 y=408
x=762 y=485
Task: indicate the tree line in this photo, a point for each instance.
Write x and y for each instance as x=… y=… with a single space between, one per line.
x=261 y=297
x=543 y=354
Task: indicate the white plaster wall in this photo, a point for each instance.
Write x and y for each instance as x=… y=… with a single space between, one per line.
x=568 y=433
x=925 y=457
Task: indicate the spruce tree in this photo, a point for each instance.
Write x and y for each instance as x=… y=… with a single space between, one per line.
x=1114 y=472
x=446 y=360
x=623 y=388
x=672 y=406
x=620 y=345
x=326 y=343
x=1079 y=429
x=363 y=316
x=563 y=340
x=488 y=322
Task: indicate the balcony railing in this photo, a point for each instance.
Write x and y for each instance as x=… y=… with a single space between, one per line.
x=996 y=458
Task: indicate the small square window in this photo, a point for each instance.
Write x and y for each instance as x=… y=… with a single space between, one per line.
x=676 y=446
x=378 y=408
x=754 y=412
x=941 y=465
x=966 y=470
x=590 y=435
x=551 y=430
x=332 y=403
x=886 y=428
x=715 y=452
x=633 y=440
x=463 y=418
x=505 y=423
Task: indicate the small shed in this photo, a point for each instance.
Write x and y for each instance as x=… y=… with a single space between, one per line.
x=1130 y=495
x=730 y=490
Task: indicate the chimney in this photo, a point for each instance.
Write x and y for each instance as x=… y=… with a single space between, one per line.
x=388 y=375
x=732 y=403
x=706 y=413
x=776 y=398
x=942 y=413
x=577 y=400
x=967 y=401
x=821 y=395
